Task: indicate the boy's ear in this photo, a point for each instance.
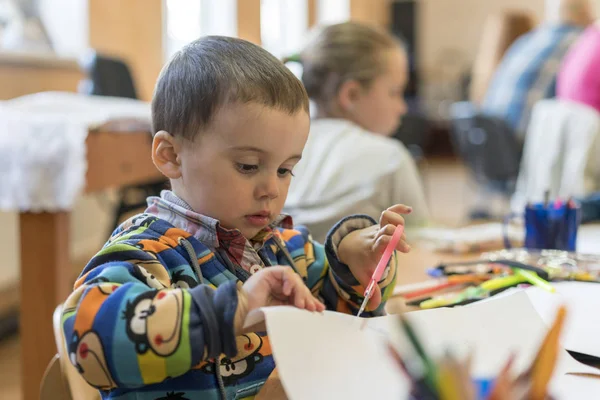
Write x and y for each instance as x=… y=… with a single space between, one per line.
x=165 y=154
x=348 y=94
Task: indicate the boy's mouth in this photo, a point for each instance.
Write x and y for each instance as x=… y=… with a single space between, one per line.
x=259 y=219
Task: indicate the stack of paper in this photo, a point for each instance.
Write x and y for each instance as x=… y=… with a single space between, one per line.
x=337 y=356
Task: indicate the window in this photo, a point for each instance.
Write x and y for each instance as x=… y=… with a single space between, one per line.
x=187 y=20
x=283 y=25
x=332 y=11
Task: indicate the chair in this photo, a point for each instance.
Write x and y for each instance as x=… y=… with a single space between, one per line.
x=53 y=385
x=414 y=133
x=488 y=146
x=560 y=154
x=61 y=380
x=107 y=76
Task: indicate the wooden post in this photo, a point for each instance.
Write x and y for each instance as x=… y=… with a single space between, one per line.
x=313 y=18
x=45 y=282
x=248 y=20
x=373 y=12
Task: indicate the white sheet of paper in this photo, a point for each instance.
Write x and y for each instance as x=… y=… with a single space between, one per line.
x=328 y=356
x=588 y=237
x=582 y=326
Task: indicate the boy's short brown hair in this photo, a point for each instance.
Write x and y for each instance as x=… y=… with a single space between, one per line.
x=217 y=70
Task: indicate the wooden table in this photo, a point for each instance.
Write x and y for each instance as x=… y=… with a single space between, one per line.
x=115 y=159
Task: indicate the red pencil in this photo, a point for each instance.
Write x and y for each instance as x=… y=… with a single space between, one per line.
x=423 y=292
x=451 y=281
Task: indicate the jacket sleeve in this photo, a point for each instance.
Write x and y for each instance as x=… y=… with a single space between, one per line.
x=329 y=278
x=124 y=326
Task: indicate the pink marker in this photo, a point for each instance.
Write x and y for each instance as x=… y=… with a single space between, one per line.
x=558 y=204
x=383 y=262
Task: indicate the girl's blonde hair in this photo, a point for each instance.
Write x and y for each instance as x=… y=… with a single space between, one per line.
x=341 y=52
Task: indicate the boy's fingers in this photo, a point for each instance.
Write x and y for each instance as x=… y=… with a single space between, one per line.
x=403 y=247
x=296 y=291
x=375 y=299
x=287 y=287
x=388 y=230
x=320 y=306
x=316 y=305
x=382 y=242
x=391 y=218
x=401 y=209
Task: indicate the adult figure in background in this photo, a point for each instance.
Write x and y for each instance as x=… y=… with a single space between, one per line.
x=579 y=77
x=579 y=81
x=499 y=32
x=528 y=71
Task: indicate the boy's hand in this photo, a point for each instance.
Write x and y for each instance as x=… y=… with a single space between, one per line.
x=274 y=286
x=362 y=249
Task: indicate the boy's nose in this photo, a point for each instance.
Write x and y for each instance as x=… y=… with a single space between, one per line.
x=269 y=188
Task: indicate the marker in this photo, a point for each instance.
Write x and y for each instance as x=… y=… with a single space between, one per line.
x=502 y=282
x=534 y=279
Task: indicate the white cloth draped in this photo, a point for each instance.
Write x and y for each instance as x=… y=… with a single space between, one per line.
x=42 y=146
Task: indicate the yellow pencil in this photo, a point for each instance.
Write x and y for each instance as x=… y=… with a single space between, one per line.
x=545 y=361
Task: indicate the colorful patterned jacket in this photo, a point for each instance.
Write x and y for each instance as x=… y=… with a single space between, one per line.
x=151 y=316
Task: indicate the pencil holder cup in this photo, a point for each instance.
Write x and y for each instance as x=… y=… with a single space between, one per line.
x=551 y=226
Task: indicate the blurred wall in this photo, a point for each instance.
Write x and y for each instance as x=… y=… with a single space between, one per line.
x=455 y=27
x=131 y=30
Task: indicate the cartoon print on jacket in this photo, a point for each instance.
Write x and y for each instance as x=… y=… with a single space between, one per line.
x=153 y=321
x=243 y=363
x=182 y=281
x=87 y=355
x=85 y=350
x=173 y=396
x=147 y=277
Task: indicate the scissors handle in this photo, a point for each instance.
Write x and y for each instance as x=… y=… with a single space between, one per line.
x=387 y=255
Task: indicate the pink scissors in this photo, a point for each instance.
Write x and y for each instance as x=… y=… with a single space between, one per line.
x=383 y=262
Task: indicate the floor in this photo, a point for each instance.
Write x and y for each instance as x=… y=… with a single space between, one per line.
x=449 y=193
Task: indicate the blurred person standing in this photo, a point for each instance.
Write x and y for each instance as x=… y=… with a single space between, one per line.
x=579 y=78
x=529 y=68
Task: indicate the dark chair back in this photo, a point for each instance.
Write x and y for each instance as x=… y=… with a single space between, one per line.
x=107 y=76
x=414 y=133
x=487 y=145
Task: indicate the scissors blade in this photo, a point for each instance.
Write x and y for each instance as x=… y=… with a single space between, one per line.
x=362 y=306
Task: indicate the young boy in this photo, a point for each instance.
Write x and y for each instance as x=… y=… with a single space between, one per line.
x=158 y=312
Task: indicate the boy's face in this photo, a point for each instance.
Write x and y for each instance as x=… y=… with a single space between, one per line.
x=380 y=108
x=238 y=171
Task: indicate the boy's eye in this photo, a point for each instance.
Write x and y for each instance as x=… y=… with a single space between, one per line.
x=284 y=172
x=246 y=168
